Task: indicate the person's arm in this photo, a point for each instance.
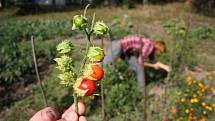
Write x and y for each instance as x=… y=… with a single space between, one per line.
x=163 y=66
x=158 y=65
x=151 y=65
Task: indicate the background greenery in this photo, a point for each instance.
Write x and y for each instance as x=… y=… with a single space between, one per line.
x=168 y=22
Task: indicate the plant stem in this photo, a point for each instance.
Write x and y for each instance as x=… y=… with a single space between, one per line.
x=76 y=103
x=92 y=23
x=85 y=10
x=87 y=49
x=88 y=35
x=81 y=68
x=185 y=40
x=83 y=60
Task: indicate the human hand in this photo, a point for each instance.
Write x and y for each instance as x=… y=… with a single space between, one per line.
x=159 y=65
x=166 y=68
x=50 y=114
x=156 y=66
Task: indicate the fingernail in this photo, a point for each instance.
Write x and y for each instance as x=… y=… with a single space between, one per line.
x=51 y=115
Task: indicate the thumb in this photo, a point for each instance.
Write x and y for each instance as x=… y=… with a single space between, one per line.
x=47 y=114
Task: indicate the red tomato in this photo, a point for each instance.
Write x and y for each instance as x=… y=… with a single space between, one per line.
x=89 y=85
x=98 y=72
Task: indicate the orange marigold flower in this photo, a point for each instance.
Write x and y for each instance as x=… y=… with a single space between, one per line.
x=201 y=85
x=194 y=100
x=174 y=110
x=204 y=112
x=190 y=118
x=199 y=93
x=213 y=105
x=213 y=90
x=182 y=100
x=209 y=108
x=203 y=104
x=187 y=111
x=189 y=80
x=181 y=118
x=194 y=95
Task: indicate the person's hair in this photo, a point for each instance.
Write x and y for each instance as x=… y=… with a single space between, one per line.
x=161 y=43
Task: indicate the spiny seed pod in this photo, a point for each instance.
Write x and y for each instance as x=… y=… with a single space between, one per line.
x=67 y=78
x=79 y=21
x=100 y=28
x=93 y=71
x=64 y=47
x=84 y=86
x=64 y=63
x=96 y=54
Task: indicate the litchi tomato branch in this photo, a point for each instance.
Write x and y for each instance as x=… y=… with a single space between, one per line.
x=90 y=72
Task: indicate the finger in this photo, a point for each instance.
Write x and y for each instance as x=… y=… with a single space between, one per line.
x=168 y=69
x=47 y=114
x=81 y=108
x=82 y=118
x=70 y=116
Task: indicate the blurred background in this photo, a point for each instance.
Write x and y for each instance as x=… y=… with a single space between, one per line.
x=185 y=94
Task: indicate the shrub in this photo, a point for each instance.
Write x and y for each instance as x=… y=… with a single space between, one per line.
x=193 y=102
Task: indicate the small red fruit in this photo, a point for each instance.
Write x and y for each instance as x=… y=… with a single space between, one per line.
x=88 y=85
x=98 y=72
x=94 y=72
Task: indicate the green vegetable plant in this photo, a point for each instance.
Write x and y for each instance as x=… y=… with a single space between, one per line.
x=84 y=81
x=15 y=50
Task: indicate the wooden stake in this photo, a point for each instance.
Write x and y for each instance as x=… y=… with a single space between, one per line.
x=145 y=96
x=37 y=73
x=102 y=89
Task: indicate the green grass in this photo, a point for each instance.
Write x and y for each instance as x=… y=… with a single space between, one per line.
x=205 y=52
x=148 y=19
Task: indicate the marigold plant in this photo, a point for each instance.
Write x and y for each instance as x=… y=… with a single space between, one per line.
x=194 y=101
